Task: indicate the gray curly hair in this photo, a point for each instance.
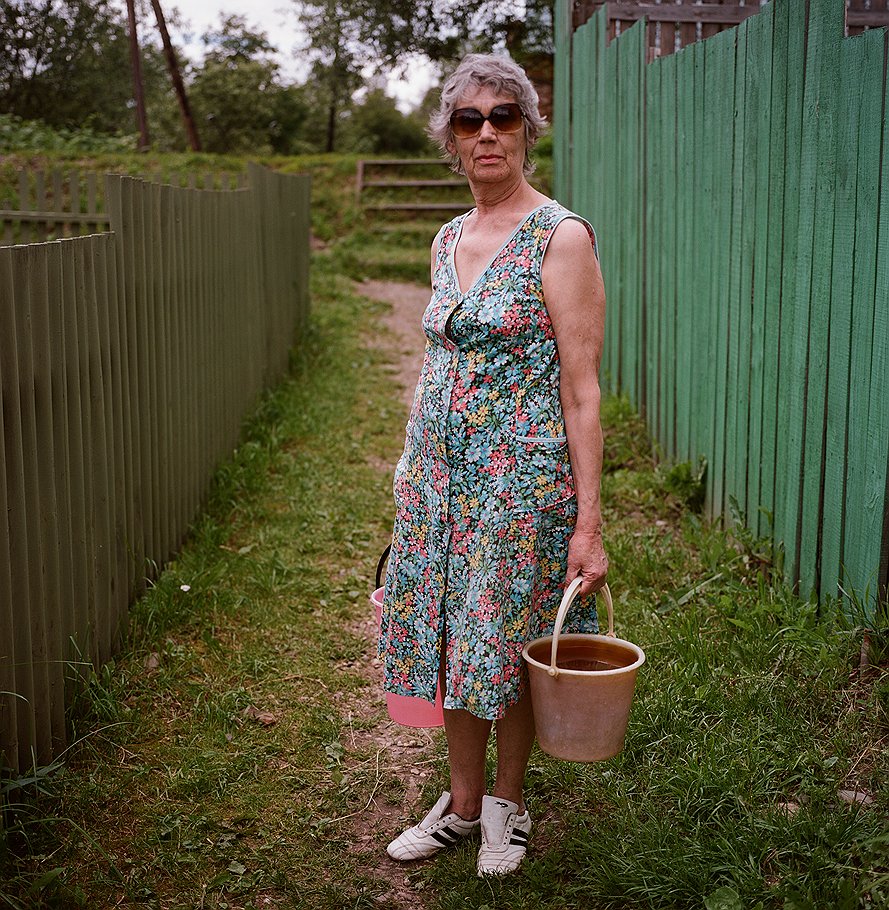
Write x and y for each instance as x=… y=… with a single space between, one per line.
x=504 y=76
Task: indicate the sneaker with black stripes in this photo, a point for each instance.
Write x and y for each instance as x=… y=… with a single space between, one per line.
x=434 y=833
x=504 y=836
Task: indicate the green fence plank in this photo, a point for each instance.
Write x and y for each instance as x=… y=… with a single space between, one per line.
x=634 y=345
x=669 y=252
x=759 y=64
x=562 y=101
x=860 y=556
x=653 y=240
x=581 y=87
x=702 y=200
x=737 y=378
x=840 y=325
x=823 y=54
x=720 y=55
x=686 y=185
x=798 y=194
x=772 y=235
x=610 y=201
x=874 y=514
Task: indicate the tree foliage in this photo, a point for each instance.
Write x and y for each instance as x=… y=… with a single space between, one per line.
x=239 y=101
x=67 y=63
x=385 y=31
x=56 y=57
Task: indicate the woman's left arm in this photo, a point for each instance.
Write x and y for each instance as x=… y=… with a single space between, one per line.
x=575 y=299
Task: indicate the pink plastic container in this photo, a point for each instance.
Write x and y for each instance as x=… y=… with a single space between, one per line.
x=404 y=710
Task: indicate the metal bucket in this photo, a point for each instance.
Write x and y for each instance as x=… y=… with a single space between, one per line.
x=582 y=687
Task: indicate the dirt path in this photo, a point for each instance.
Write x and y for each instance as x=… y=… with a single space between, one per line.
x=401 y=752
x=408 y=301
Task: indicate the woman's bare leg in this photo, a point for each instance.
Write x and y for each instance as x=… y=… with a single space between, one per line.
x=515 y=737
x=467 y=744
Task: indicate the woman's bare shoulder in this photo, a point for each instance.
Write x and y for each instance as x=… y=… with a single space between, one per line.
x=572 y=235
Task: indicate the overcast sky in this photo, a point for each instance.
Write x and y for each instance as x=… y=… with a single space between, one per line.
x=278 y=19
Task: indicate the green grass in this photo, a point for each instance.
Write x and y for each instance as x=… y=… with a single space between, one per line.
x=750 y=714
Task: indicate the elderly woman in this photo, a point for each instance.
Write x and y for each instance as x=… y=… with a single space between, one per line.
x=497 y=492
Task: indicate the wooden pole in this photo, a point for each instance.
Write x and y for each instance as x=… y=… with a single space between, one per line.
x=173 y=66
x=138 y=92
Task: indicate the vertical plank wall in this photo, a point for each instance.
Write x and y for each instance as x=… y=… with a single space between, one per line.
x=128 y=361
x=739 y=189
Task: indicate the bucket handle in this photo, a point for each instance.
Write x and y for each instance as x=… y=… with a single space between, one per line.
x=565 y=605
x=381 y=563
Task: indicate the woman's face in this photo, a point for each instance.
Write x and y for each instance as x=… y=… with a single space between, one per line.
x=490 y=156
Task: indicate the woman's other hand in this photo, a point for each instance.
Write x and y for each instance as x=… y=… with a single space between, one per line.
x=586 y=557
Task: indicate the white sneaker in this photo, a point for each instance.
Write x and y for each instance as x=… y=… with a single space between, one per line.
x=504 y=836
x=435 y=832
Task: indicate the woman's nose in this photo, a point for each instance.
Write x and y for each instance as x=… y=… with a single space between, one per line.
x=487 y=131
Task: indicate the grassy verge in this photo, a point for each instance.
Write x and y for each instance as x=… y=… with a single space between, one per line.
x=215 y=767
x=182 y=791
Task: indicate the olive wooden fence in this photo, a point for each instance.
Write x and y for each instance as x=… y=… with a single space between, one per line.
x=128 y=361
x=741 y=193
x=47 y=205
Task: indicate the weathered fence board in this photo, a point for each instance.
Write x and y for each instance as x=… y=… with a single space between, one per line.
x=761 y=336
x=127 y=363
x=66 y=203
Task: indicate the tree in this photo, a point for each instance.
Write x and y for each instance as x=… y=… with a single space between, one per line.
x=376 y=126
x=236 y=93
x=55 y=61
x=349 y=38
x=336 y=42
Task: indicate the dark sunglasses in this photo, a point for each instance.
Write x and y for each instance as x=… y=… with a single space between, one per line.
x=468 y=122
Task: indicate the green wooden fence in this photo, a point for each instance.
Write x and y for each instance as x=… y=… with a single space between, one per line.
x=128 y=361
x=741 y=192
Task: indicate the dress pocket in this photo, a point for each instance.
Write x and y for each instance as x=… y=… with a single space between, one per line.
x=543 y=477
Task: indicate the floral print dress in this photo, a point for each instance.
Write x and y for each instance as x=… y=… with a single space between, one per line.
x=485 y=501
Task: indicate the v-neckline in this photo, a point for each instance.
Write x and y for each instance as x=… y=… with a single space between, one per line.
x=453 y=257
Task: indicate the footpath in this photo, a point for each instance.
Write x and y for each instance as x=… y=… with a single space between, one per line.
x=238 y=755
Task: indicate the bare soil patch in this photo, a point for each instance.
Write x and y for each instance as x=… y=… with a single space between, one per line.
x=397 y=753
x=405 y=339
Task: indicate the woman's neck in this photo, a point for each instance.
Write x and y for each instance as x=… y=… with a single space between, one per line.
x=496 y=199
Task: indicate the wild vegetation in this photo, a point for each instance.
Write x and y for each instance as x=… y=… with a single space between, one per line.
x=55 y=61
x=221 y=760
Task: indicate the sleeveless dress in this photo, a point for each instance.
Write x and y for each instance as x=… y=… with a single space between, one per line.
x=484 y=495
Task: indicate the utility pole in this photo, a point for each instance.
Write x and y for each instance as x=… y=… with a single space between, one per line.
x=170 y=56
x=138 y=91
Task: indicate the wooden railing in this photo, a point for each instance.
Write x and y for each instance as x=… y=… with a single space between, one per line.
x=128 y=361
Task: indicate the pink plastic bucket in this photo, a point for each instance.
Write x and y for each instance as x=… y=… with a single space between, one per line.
x=404 y=710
